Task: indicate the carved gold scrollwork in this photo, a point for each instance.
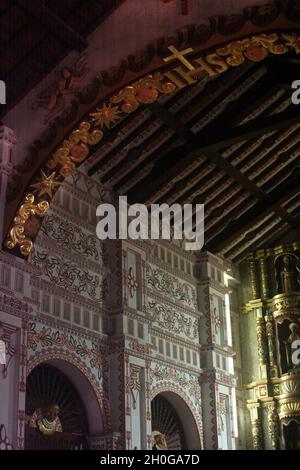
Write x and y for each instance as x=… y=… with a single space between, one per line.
x=254 y=280
x=271 y=340
x=286 y=306
x=289 y=408
x=16 y=236
x=273 y=426
x=75 y=149
x=256 y=434
x=144 y=91
x=255 y=49
x=290 y=384
x=261 y=340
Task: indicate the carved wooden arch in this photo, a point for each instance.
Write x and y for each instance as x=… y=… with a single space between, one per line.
x=139 y=80
x=60 y=354
x=173 y=388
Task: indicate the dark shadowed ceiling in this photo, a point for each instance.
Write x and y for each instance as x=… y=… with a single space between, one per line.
x=35 y=35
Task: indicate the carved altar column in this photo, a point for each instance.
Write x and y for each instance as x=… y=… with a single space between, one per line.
x=264 y=278
x=254 y=278
x=7 y=143
x=273 y=427
x=270 y=331
x=262 y=344
x=256 y=426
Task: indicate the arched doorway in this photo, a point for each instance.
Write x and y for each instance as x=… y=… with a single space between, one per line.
x=166 y=421
x=48 y=386
x=172 y=417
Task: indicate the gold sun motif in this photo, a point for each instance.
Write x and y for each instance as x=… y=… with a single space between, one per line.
x=106 y=116
x=46 y=184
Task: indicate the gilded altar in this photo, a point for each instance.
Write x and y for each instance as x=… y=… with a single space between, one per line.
x=273 y=311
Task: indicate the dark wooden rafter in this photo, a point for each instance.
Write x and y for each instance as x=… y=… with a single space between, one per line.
x=207 y=146
x=228 y=88
x=272 y=201
x=188 y=192
x=54 y=23
x=272 y=234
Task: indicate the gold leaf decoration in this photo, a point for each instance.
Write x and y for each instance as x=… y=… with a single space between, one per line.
x=106 y=116
x=16 y=235
x=75 y=149
x=46 y=184
x=145 y=91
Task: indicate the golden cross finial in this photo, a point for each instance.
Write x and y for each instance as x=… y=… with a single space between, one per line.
x=180 y=55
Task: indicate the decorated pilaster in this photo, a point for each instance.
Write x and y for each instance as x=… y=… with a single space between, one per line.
x=7 y=144
x=218 y=379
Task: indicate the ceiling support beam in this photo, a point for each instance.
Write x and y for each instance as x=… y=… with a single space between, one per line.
x=273 y=200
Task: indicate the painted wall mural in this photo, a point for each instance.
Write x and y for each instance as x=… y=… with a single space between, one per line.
x=68 y=275
x=165 y=283
x=170 y=319
x=48 y=337
x=69 y=235
x=161 y=373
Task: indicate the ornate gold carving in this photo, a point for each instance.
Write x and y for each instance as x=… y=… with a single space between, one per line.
x=256 y=434
x=286 y=306
x=273 y=426
x=106 y=116
x=256 y=425
x=16 y=235
x=253 y=277
x=289 y=408
x=271 y=340
x=292 y=41
x=74 y=149
x=145 y=91
x=261 y=339
x=46 y=184
x=290 y=384
x=255 y=49
x=264 y=278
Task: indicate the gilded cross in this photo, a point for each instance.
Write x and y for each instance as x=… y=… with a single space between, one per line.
x=180 y=55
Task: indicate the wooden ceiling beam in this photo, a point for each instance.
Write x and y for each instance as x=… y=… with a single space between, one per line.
x=54 y=24
x=273 y=200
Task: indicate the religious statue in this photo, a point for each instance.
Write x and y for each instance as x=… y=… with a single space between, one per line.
x=160 y=442
x=46 y=420
x=288 y=275
x=294 y=335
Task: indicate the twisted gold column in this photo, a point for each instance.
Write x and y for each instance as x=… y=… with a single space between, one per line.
x=253 y=277
x=270 y=331
x=273 y=427
x=264 y=278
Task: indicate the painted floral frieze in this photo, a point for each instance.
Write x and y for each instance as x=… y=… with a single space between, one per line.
x=171 y=286
x=170 y=319
x=188 y=382
x=43 y=336
x=67 y=275
x=70 y=236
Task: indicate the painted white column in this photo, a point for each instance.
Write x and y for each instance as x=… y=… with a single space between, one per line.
x=7 y=144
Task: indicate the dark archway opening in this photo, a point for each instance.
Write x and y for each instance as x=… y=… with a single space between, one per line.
x=166 y=421
x=47 y=386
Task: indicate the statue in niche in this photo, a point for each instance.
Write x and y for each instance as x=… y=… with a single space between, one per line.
x=46 y=420
x=294 y=335
x=289 y=274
